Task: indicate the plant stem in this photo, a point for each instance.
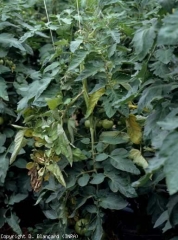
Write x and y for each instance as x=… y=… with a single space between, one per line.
x=86 y=97
x=92 y=137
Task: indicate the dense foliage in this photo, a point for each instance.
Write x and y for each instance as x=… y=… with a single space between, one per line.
x=88 y=111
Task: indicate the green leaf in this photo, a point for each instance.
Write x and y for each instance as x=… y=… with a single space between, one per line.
x=13 y=223
x=119 y=160
x=115 y=35
x=20 y=163
x=143 y=41
x=85 y=141
x=142 y=71
x=2 y=139
x=93 y=99
x=8 y=40
x=109 y=108
x=62 y=146
x=156 y=164
x=4 y=165
x=91 y=208
x=50 y=214
x=66 y=20
x=31 y=34
x=164 y=55
x=51 y=67
x=90 y=70
x=154 y=92
x=167 y=5
x=98 y=233
x=174 y=238
x=34 y=90
x=172 y=207
x=170 y=167
x=4 y=69
x=108 y=2
x=169 y=123
x=78 y=155
x=77 y=59
x=71 y=125
x=151 y=128
x=51 y=92
x=159 y=69
x=170 y=145
x=169 y=151
x=17 y=198
x=114 y=137
x=97 y=178
x=142 y=181
x=74 y=45
x=3 y=91
x=55 y=170
x=2 y=217
x=168 y=226
x=101 y=157
x=112 y=201
x=162 y=218
x=8 y=133
x=53 y=103
x=28 y=49
x=6 y=24
x=3 y=52
x=83 y=181
x=121 y=184
x=97 y=87
x=128 y=30
x=80 y=202
x=19 y=144
x=26 y=36
x=132 y=92
x=168 y=33
x=112 y=50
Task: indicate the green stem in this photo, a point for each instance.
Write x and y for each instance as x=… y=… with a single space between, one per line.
x=69 y=105
x=91 y=171
x=85 y=92
x=92 y=127
x=92 y=137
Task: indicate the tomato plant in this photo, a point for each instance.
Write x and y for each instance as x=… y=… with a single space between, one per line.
x=68 y=74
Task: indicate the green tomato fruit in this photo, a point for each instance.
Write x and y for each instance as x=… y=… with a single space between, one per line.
x=101 y=110
x=10 y=63
x=7 y=61
x=81 y=226
x=99 y=124
x=1 y=120
x=87 y=123
x=107 y=124
x=119 y=123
